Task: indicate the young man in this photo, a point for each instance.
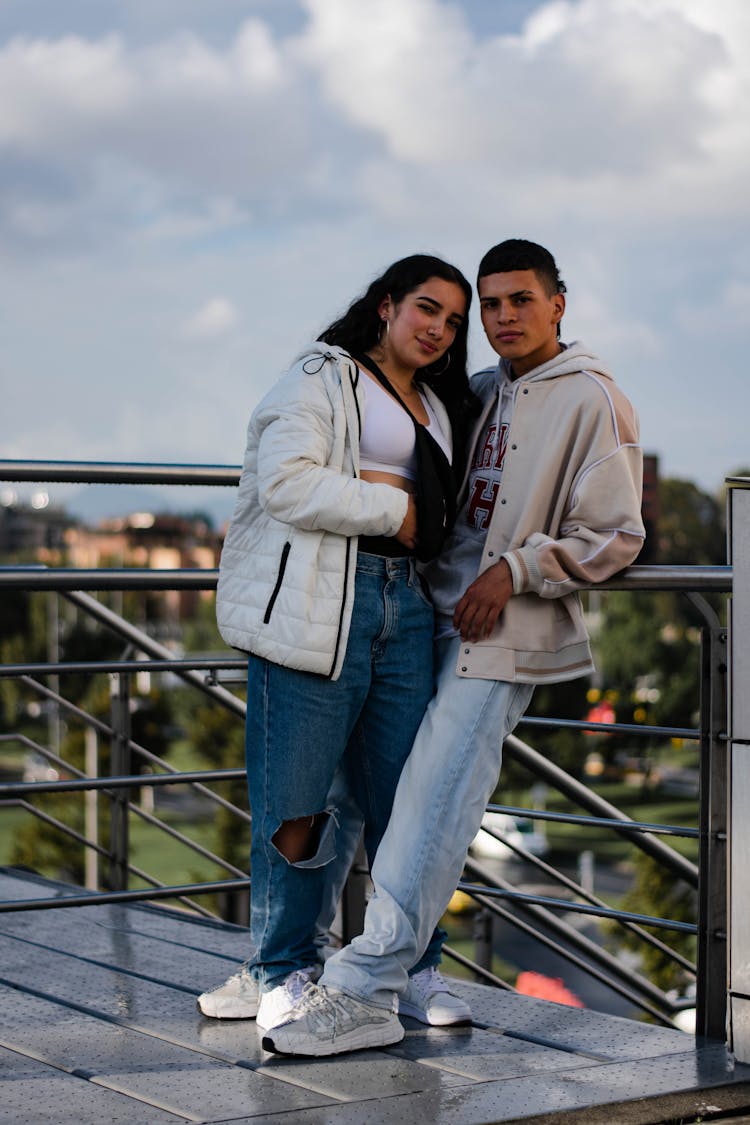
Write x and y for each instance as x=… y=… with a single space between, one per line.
x=551 y=500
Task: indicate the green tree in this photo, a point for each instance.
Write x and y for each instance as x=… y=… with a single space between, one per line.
x=691 y=527
x=648 y=645
x=656 y=892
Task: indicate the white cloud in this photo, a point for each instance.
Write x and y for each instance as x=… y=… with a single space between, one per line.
x=626 y=103
x=213 y=319
x=198 y=120
x=278 y=163
x=613 y=96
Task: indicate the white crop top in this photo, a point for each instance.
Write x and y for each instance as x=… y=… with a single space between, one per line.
x=388 y=444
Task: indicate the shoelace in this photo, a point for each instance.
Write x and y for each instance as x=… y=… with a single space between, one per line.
x=298 y=983
x=241 y=972
x=432 y=983
x=314 y=997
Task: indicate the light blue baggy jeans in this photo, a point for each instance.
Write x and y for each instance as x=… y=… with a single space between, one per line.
x=446 y=783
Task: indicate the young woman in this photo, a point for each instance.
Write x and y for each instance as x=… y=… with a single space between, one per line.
x=318 y=583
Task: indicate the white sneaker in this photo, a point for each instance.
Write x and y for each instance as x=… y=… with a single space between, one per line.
x=428 y=998
x=278 y=1004
x=236 y=999
x=328 y=1022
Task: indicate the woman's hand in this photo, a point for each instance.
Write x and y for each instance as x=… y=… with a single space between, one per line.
x=407 y=533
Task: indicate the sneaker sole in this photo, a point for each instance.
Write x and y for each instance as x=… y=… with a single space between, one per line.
x=239 y=1012
x=358 y=1041
x=405 y=1009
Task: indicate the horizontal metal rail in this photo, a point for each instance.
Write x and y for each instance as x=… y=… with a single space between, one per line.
x=575 y=940
x=690 y=734
x=116 y=578
x=597 y=821
x=145 y=894
x=53 y=821
x=147 y=644
x=564 y=881
x=28 y=788
x=73 y=834
x=102 y=728
x=597 y=971
x=547 y=771
x=710 y=579
x=118 y=472
x=573 y=907
x=716 y=580
x=149 y=818
x=93 y=667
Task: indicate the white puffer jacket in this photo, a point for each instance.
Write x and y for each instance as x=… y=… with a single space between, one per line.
x=286 y=577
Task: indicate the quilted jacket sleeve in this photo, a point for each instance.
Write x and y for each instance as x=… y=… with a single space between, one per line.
x=305 y=464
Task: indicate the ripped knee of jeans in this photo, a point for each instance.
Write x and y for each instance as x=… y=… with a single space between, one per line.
x=307 y=841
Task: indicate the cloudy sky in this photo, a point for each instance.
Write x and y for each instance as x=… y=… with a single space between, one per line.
x=189 y=191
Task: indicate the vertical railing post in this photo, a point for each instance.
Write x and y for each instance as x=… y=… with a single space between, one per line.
x=482 y=934
x=711 y=999
x=119 y=766
x=738 y=497
x=354 y=897
x=91 y=810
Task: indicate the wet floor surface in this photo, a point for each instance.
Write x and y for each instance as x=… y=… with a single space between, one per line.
x=98 y=1022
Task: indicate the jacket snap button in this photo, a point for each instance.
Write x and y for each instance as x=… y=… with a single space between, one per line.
x=490 y=554
x=503 y=501
x=463 y=669
x=514 y=447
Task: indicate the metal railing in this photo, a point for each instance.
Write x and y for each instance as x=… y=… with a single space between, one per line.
x=541 y=915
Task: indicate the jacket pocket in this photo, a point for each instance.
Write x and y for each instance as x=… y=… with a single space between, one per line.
x=279 y=581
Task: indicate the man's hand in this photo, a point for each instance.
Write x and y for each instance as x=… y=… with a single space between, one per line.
x=407 y=533
x=479 y=608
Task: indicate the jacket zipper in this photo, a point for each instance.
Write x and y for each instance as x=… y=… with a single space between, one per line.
x=353 y=380
x=279 y=580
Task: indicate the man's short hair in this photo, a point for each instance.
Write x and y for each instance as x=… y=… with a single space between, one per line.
x=519 y=254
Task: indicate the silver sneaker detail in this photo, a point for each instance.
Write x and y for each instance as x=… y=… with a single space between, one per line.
x=329 y=1022
x=236 y=999
x=278 y=1004
x=428 y=998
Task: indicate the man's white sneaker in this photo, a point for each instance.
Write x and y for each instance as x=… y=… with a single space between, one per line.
x=236 y=999
x=278 y=1004
x=328 y=1022
x=428 y=998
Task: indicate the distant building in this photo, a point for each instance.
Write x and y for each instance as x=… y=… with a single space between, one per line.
x=141 y=539
x=29 y=532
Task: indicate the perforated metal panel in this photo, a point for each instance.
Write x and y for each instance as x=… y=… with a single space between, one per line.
x=98 y=1023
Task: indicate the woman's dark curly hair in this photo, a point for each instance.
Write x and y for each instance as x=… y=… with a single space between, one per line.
x=359 y=329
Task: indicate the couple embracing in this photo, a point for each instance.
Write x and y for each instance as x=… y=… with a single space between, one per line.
x=402 y=568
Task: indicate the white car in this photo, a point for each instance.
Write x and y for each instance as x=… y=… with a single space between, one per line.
x=520 y=832
x=37 y=768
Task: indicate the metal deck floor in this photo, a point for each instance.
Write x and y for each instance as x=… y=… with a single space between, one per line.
x=98 y=1022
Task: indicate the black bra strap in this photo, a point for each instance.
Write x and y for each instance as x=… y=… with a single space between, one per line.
x=368 y=362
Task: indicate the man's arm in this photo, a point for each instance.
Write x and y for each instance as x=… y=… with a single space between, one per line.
x=602 y=531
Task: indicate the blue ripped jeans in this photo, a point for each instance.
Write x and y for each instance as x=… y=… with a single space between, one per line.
x=300 y=727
